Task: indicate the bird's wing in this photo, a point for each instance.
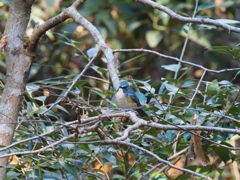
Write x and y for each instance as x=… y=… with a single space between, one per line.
x=133 y=98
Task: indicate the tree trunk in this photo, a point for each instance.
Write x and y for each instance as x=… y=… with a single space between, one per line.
x=18 y=65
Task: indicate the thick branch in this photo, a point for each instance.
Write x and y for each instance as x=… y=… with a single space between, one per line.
x=40 y=29
x=72 y=12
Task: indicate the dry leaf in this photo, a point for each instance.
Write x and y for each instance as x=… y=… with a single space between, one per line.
x=197 y=142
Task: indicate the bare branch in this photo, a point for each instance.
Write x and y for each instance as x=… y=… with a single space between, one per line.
x=78 y=2
x=40 y=29
x=72 y=12
x=196 y=90
x=189 y=19
x=176 y=59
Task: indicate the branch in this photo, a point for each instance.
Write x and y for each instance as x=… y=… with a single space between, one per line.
x=78 y=2
x=40 y=29
x=137 y=123
x=81 y=131
x=189 y=19
x=141 y=122
x=72 y=12
x=147 y=152
x=176 y=59
x=73 y=83
x=196 y=90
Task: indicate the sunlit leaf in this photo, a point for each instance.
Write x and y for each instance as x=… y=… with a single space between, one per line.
x=171 y=88
x=153 y=37
x=227 y=21
x=172 y=67
x=92 y=52
x=142 y=98
x=40 y=98
x=32 y=87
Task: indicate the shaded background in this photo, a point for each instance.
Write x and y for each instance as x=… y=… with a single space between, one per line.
x=125 y=24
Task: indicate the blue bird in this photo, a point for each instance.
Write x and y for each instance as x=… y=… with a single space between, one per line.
x=125 y=97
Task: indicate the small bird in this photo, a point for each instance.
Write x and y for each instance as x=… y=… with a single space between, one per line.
x=125 y=97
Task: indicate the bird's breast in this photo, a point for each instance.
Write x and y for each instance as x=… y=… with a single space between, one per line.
x=122 y=100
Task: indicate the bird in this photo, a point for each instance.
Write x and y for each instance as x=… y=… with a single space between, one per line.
x=125 y=97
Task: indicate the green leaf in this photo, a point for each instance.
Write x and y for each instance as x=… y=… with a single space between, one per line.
x=227 y=4
x=132 y=59
x=109 y=157
x=100 y=70
x=32 y=87
x=153 y=37
x=171 y=88
x=61 y=108
x=142 y=98
x=69 y=168
x=207 y=107
x=220 y=51
x=187 y=83
x=172 y=67
x=116 y=176
x=40 y=98
x=213 y=87
x=129 y=70
x=80 y=82
x=171 y=134
x=12 y=175
x=206 y=6
x=156 y=83
x=220 y=47
x=236 y=52
x=59 y=42
x=223 y=153
x=182 y=13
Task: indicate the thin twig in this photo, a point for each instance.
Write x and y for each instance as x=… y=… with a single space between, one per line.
x=73 y=83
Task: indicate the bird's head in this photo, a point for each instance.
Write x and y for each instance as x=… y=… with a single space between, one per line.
x=123 y=84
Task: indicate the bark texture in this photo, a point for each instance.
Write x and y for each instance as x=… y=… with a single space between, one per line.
x=18 y=64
